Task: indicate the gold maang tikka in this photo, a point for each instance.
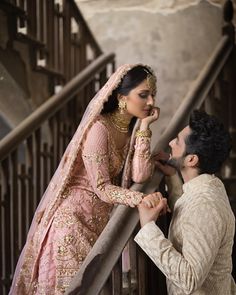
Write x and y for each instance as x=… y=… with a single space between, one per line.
x=151 y=82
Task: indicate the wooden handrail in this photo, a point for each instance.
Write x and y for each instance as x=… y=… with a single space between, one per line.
x=49 y=108
x=109 y=245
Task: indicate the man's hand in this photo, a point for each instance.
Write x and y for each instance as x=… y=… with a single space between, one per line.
x=147 y=213
x=160 y=160
x=152 y=200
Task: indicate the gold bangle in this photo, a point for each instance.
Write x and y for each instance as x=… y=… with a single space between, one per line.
x=144 y=133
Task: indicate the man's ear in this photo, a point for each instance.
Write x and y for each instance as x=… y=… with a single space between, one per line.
x=192 y=160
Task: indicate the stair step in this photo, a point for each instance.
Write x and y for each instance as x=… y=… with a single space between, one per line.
x=29 y=39
x=49 y=72
x=12 y=8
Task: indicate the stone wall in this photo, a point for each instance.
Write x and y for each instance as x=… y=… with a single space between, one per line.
x=175 y=37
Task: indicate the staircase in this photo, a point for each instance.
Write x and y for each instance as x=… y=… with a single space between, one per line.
x=63 y=49
x=45 y=43
x=55 y=43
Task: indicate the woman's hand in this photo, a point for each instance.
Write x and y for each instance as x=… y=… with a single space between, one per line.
x=150 y=213
x=154 y=115
x=152 y=200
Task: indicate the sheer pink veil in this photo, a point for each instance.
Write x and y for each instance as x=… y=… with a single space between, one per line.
x=56 y=190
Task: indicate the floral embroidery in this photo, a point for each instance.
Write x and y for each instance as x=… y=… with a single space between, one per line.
x=97 y=158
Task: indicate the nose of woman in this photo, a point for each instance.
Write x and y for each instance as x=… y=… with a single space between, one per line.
x=150 y=100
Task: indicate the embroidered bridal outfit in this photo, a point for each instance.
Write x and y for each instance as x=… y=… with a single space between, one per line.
x=92 y=176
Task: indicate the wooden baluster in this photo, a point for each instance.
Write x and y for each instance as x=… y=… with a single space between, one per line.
x=103 y=78
x=117 y=278
x=5 y=222
x=66 y=39
x=83 y=42
x=37 y=161
x=133 y=264
x=52 y=170
x=91 y=90
x=72 y=114
x=32 y=20
x=56 y=53
x=60 y=43
x=45 y=165
x=63 y=136
x=58 y=137
x=14 y=209
x=30 y=143
x=142 y=272
x=2 y=236
x=53 y=132
x=23 y=206
x=55 y=135
x=78 y=48
x=72 y=55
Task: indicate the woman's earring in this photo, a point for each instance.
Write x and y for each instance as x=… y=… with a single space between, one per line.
x=122 y=105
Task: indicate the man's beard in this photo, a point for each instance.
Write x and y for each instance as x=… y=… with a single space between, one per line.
x=177 y=163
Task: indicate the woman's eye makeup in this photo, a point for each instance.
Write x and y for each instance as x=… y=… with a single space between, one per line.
x=143 y=95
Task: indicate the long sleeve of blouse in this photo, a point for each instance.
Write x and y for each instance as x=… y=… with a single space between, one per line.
x=142 y=164
x=95 y=156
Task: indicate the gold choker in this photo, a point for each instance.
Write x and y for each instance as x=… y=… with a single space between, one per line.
x=119 y=122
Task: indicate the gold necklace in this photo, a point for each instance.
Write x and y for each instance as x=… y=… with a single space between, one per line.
x=119 y=122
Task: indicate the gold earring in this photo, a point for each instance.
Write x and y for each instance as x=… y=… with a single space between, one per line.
x=122 y=105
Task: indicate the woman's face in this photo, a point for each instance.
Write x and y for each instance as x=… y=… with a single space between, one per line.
x=140 y=100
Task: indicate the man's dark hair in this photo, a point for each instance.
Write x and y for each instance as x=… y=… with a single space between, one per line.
x=208 y=140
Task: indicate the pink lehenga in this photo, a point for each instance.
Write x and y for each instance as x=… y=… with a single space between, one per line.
x=92 y=176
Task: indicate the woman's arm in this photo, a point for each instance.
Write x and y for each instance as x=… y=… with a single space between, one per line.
x=96 y=161
x=142 y=164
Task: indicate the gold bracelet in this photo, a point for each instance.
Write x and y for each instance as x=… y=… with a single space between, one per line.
x=144 y=133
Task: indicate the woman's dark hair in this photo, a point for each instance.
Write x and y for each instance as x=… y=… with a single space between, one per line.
x=131 y=80
x=209 y=141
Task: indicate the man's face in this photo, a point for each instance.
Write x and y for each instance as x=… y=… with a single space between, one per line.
x=178 y=147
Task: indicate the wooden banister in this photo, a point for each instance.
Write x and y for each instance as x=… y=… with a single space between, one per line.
x=50 y=107
x=30 y=154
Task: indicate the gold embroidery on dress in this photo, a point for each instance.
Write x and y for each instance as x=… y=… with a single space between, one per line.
x=100 y=181
x=97 y=158
x=64 y=218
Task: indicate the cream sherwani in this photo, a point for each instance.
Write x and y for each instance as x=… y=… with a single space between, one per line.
x=196 y=257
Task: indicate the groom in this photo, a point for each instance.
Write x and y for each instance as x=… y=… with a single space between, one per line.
x=196 y=257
